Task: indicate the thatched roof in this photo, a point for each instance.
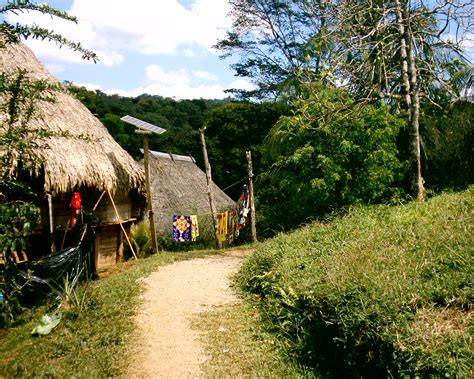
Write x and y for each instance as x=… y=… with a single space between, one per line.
x=179 y=186
x=95 y=161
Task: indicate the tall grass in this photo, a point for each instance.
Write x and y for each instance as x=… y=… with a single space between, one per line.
x=90 y=341
x=383 y=291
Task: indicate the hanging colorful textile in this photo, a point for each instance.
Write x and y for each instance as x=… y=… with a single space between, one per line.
x=182 y=227
x=244 y=207
x=233 y=228
x=194 y=227
x=222 y=225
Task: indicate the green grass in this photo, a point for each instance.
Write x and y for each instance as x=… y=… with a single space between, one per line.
x=239 y=348
x=88 y=343
x=383 y=291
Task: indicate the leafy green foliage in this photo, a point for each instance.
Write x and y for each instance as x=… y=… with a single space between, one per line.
x=280 y=44
x=384 y=291
x=233 y=129
x=329 y=153
x=13 y=32
x=448 y=141
x=18 y=199
x=141 y=239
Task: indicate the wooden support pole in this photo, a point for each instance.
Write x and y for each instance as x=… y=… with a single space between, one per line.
x=253 y=220
x=123 y=229
x=149 y=196
x=50 y=222
x=209 y=189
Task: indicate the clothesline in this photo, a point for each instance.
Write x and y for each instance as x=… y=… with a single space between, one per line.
x=237 y=182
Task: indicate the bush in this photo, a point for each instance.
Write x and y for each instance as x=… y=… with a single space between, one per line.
x=383 y=291
x=332 y=152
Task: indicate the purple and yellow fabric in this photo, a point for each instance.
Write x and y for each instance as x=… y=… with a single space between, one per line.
x=182 y=228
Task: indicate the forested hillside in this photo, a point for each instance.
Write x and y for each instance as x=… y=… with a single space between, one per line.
x=311 y=157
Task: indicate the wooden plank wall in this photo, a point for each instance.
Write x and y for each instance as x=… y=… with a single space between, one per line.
x=109 y=236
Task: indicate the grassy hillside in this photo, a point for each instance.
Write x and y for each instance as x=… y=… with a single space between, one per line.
x=383 y=291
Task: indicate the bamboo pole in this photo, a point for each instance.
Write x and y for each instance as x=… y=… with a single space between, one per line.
x=98 y=201
x=123 y=229
x=253 y=220
x=209 y=188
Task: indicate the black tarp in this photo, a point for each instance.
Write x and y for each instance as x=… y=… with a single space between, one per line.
x=35 y=280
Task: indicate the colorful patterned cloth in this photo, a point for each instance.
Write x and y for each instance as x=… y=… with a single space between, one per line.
x=222 y=225
x=182 y=228
x=233 y=228
x=194 y=227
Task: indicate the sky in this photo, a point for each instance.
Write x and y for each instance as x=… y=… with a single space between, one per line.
x=158 y=47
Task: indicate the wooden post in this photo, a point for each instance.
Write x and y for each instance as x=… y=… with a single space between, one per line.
x=253 y=220
x=123 y=229
x=209 y=189
x=50 y=221
x=146 y=153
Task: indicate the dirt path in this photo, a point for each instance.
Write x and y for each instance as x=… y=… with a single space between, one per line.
x=165 y=344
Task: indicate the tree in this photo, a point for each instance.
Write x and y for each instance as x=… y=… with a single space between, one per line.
x=232 y=130
x=394 y=52
x=399 y=53
x=331 y=152
x=13 y=33
x=280 y=43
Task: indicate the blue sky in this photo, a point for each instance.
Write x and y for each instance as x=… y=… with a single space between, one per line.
x=159 y=47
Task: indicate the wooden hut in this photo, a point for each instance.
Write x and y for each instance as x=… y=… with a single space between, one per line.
x=80 y=156
x=179 y=187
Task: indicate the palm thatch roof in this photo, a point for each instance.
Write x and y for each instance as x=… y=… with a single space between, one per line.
x=179 y=186
x=81 y=152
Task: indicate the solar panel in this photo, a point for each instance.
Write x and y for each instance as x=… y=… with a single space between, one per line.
x=143 y=125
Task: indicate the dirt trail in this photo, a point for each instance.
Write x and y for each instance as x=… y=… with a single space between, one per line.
x=165 y=346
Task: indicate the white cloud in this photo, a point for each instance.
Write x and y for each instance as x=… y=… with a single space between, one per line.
x=174 y=84
x=156 y=74
x=116 y=30
x=111 y=27
x=189 y=53
x=154 y=27
x=178 y=92
x=242 y=84
x=204 y=75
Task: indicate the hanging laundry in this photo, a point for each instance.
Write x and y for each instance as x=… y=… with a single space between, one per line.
x=194 y=228
x=182 y=228
x=244 y=207
x=233 y=228
x=222 y=225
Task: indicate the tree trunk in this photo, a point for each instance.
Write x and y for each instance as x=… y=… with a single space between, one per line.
x=418 y=182
x=253 y=220
x=412 y=97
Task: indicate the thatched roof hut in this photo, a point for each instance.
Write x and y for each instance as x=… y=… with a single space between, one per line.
x=88 y=155
x=80 y=155
x=179 y=187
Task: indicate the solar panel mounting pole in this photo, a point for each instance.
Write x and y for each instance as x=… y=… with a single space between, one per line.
x=146 y=129
x=146 y=153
